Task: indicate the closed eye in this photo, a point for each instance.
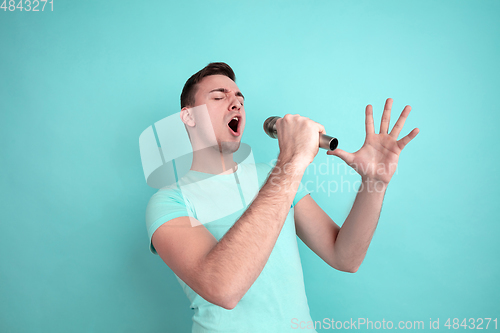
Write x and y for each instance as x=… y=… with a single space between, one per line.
x=219 y=95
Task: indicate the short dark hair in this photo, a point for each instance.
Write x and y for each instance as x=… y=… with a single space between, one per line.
x=213 y=68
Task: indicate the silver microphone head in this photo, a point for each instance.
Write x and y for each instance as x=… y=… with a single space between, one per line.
x=270 y=127
x=325 y=141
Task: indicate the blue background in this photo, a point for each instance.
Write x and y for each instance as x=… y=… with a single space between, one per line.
x=78 y=86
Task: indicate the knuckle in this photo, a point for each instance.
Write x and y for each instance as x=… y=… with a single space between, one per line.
x=302 y=119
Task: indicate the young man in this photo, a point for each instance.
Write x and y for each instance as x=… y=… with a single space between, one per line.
x=241 y=270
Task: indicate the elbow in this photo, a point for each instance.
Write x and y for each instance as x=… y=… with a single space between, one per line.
x=348 y=267
x=352 y=269
x=223 y=297
x=227 y=303
x=220 y=289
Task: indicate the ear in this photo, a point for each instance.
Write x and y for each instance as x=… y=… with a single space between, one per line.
x=187 y=116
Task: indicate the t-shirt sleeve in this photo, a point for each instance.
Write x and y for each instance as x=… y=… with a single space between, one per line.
x=164 y=206
x=265 y=170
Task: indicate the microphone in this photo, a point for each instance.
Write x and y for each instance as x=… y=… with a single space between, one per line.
x=325 y=141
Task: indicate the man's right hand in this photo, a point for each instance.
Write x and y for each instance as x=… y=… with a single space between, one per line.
x=298 y=139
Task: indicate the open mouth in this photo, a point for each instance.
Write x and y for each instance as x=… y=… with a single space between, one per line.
x=234 y=125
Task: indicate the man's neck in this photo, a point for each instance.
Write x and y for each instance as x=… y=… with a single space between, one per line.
x=211 y=160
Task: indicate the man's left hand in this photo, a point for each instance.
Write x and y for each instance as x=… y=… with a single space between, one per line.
x=377 y=159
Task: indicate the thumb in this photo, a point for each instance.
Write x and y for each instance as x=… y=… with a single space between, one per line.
x=345 y=156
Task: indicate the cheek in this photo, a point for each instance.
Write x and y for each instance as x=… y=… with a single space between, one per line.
x=218 y=123
x=244 y=121
x=208 y=122
x=215 y=118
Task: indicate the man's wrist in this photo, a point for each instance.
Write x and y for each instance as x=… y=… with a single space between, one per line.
x=285 y=177
x=372 y=185
x=292 y=164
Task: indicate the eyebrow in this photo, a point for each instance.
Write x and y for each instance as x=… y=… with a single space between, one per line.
x=223 y=90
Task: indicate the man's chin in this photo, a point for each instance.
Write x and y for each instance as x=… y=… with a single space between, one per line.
x=230 y=147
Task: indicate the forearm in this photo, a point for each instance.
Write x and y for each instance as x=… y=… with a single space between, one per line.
x=356 y=233
x=233 y=265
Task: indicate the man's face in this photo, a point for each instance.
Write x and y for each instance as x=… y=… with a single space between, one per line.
x=224 y=102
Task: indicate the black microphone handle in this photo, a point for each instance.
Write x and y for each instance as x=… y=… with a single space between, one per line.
x=325 y=141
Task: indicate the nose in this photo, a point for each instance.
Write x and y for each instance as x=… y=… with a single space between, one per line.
x=235 y=102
